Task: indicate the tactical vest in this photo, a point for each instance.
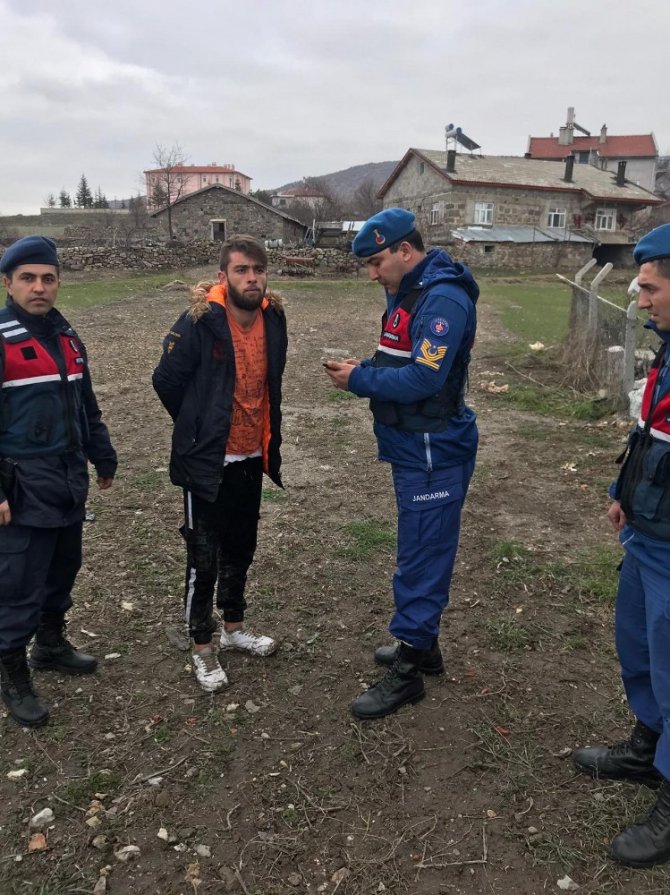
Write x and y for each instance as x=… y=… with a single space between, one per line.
x=41 y=396
x=432 y=414
x=645 y=474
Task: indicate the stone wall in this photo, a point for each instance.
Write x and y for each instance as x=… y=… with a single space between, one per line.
x=522 y=257
x=301 y=261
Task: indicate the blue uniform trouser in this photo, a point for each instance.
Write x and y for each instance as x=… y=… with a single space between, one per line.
x=429 y=520
x=643 y=645
x=38 y=567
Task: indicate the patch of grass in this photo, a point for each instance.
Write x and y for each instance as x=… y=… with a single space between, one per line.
x=274 y=495
x=509 y=551
x=162 y=735
x=91 y=293
x=533 y=310
x=336 y=394
x=555 y=403
x=594 y=574
x=80 y=791
x=365 y=537
x=507 y=635
x=149 y=481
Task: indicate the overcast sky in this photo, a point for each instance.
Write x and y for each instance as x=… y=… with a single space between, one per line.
x=285 y=89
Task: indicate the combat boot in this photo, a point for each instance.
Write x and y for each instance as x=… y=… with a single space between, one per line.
x=432 y=662
x=16 y=688
x=52 y=651
x=632 y=759
x=646 y=842
x=402 y=684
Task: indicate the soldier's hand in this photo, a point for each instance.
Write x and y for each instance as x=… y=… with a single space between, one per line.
x=104 y=484
x=616 y=516
x=5 y=513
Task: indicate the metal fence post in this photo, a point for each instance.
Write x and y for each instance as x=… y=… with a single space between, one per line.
x=593 y=296
x=629 y=348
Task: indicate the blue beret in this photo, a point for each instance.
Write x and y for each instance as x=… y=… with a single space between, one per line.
x=383 y=230
x=29 y=250
x=653 y=245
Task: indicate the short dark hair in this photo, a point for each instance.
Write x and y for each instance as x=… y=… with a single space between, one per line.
x=662 y=267
x=414 y=239
x=245 y=244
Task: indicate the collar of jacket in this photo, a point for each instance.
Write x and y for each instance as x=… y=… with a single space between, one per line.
x=218 y=295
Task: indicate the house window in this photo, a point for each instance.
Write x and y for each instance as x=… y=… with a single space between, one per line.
x=583 y=158
x=421 y=167
x=204 y=180
x=217 y=178
x=605 y=219
x=435 y=214
x=489 y=250
x=483 y=212
x=556 y=217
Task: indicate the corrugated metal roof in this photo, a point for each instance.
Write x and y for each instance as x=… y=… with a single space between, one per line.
x=518 y=234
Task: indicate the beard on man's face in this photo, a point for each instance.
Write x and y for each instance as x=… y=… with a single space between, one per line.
x=249 y=300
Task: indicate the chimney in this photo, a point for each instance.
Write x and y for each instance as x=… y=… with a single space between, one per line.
x=603 y=134
x=621 y=173
x=569 y=166
x=451 y=161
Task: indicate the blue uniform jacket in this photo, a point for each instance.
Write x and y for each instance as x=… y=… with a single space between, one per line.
x=648 y=549
x=449 y=297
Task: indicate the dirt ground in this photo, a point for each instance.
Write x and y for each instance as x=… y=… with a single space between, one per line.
x=271 y=787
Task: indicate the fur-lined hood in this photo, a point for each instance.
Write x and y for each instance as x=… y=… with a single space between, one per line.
x=205 y=294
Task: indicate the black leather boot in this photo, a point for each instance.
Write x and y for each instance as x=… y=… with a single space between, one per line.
x=646 y=842
x=16 y=688
x=432 y=662
x=632 y=759
x=402 y=684
x=53 y=652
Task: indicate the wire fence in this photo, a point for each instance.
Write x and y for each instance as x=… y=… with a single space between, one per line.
x=606 y=347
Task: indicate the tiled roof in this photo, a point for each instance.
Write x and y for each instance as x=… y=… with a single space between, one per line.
x=633 y=146
x=514 y=172
x=200 y=169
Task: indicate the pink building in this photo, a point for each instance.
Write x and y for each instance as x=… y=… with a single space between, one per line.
x=185 y=179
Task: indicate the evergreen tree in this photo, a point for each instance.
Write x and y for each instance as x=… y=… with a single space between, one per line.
x=100 y=200
x=64 y=199
x=51 y=201
x=83 y=197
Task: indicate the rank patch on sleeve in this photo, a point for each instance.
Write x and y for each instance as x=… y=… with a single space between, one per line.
x=439 y=326
x=431 y=355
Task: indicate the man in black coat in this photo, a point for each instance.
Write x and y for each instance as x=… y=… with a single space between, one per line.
x=220 y=380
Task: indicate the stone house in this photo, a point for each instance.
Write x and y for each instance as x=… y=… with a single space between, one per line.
x=217 y=212
x=482 y=201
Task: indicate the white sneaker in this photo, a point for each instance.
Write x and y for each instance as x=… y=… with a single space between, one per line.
x=208 y=671
x=247 y=642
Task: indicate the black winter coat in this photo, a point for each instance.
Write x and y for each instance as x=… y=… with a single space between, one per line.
x=195 y=381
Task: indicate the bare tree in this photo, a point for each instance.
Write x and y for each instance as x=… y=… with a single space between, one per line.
x=168 y=179
x=365 y=202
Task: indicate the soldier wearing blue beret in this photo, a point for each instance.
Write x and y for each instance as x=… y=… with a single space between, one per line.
x=416 y=383
x=50 y=427
x=640 y=513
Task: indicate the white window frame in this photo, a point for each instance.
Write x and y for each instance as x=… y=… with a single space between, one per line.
x=556 y=217
x=435 y=214
x=483 y=213
x=605 y=218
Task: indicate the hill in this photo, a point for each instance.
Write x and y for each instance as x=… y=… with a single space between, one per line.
x=345 y=183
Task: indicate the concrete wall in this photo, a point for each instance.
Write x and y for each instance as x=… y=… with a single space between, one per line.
x=191 y=218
